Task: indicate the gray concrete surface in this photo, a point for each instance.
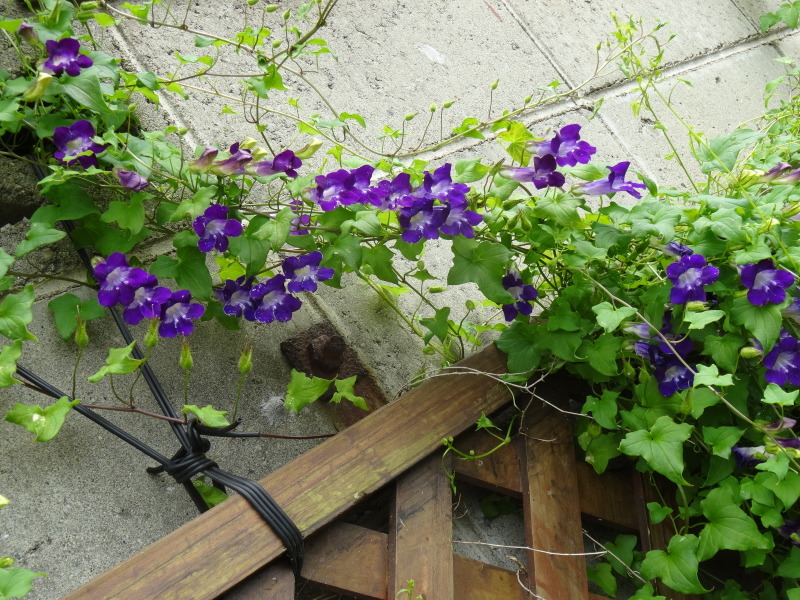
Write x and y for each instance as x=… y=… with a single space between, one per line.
x=82 y=503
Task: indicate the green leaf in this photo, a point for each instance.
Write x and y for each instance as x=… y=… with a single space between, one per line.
x=603 y=353
x=344 y=391
x=790 y=567
x=6 y=260
x=722 y=439
x=561 y=208
x=722 y=152
x=495 y=505
x=603 y=409
x=661 y=447
x=15 y=314
x=763 y=322
x=207 y=415
x=253 y=253
x=609 y=318
x=698 y=320
x=38 y=235
x=438 y=325
x=482 y=263
x=211 y=495
x=710 y=376
x=44 y=423
x=484 y=422
x=303 y=390
x=678 y=566
x=119 y=362
x=366 y=222
x=658 y=512
x=728 y=527
x=16 y=583
x=600 y=449
x=128 y=215
x=469 y=170
x=379 y=259
x=66 y=309
x=646 y=593
x=774 y=394
x=520 y=342
x=724 y=351
x=562 y=344
x=621 y=553
x=196 y=206
x=189 y=270
x=85 y=89
x=8 y=363
x=603 y=576
x=787 y=490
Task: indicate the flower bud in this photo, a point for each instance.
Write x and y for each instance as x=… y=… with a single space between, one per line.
x=410 y=116
x=427 y=350
x=81 y=337
x=527 y=99
x=495 y=84
x=248 y=143
x=470 y=304
x=89 y=5
x=5 y=562
x=448 y=104
x=276 y=43
x=437 y=289
x=286 y=14
x=3 y=501
x=27 y=33
x=432 y=108
x=309 y=149
x=696 y=306
x=38 y=88
x=186 y=361
x=246 y=360
x=151 y=339
x=258 y=153
x=749 y=177
x=270 y=8
x=750 y=352
x=252 y=2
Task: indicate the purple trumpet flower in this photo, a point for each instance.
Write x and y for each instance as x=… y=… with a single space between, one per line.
x=783 y=361
x=421 y=220
x=689 y=276
x=271 y=302
x=235 y=164
x=214 y=228
x=543 y=173
x=676 y=249
x=566 y=147
x=146 y=304
x=792 y=311
x=235 y=296
x=439 y=185
x=749 y=456
x=131 y=180
x=765 y=283
x=284 y=163
x=203 y=163
x=64 y=56
x=73 y=141
x=27 y=32
x=780 y=425
x=177 y=314
x=303 y=272
x=119 y=281
x=334 y=190
x=460 y=221
x=522 y=293
x=614 y=183
x=392 y=195
x=672 y=375
x=781 y=174
x=301 y=221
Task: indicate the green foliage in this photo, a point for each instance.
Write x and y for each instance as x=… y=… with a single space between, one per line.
x=68 y=308
x=119 y=362
x=207 y=415
x=303 y=390
x=46 y=422
x=16 y=583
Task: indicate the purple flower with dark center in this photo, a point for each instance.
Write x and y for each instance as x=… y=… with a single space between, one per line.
x=303 y=272
x=567 y=147
x=689 y=276
x=749 y=456
x=522 y=293
x=791 y=530
x=64 y=55
x=543 y=173
x=676 y=249
x=131 y=180
x=204 y=162
x=765 y=283
x=177 y=314
x=460 y=221
x=392 y=195
x=146 y=303
x=119 y=281
x=439 y=185
x=235 y=164
x=272 y=302
x=214 y=228
x=334 y=190
x=672 y=375
x=284 y=162
x=783 y=361
x=235 y=296
x=73 y=141
x=421 y=220
x=614 y=183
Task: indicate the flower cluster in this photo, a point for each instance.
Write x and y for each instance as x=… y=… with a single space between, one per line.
x=240 y=160
x=142 y=298
x=272 y=300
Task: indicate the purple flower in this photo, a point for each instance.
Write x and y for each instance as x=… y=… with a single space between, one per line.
x=792 y=311
x=782 y=173
x=235 y=296
x=146 y=303
x=615 y=182
x=689 y=276
x=392 y=195
x=73 y=141
x=27 y=32
x=119 y=281
x=214 y=228
x=131 y=180
x=460 y=221
x=749 y=456
x=301 y=221
x=780 y=425
x=522 y=293
x=284 y=162
x=783 y=361
x=765 y=283
x=272 y=302
x=791 y=530
x=543 y=173
x=177 y=314
x=793 y=443
x=235 y=164
x=334 y=190
x=676 y=249
x=672 y=375
x=421 y=220
x=640 y=330
x=567 y=147
x=303 y=272
x=439 y=185
x=63 y=55
x=204 y=162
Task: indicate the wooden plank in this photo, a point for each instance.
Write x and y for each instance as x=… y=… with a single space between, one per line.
x=205 y=557
x=348 y=559
x=552 y=507
x=421 y=532
x=498 y=472
x=609 y=498
x=275 y=581
x=475 y=580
